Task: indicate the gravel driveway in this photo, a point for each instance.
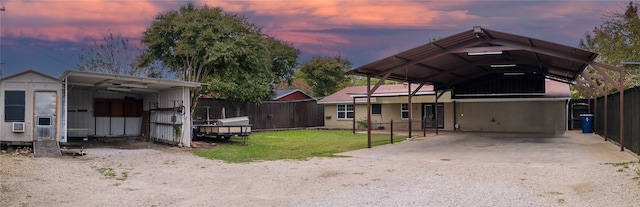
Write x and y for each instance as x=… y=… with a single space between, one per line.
x=423 y=172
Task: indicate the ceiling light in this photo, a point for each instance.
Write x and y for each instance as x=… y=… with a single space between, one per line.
x=131 y=85
x=503 y=65
x=513 y=73
x=485 y=53
x=118 y=89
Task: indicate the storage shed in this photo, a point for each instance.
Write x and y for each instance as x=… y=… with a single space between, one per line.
x=108 y=105
x=32 y=107
x=38 y=107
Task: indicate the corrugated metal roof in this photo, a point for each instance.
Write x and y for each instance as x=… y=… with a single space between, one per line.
x=122 y=82
x=451 y=60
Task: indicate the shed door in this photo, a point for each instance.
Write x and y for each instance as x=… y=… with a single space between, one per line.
x=44 y=112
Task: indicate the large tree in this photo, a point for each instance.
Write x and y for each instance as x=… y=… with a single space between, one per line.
x=617 y=40
x=204 y=44
x=115 y=55
x=325 y=75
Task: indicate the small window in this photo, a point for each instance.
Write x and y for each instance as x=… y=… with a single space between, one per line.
x=14 y=106
x=376 y=109
x=345 y=111
x=404 y=111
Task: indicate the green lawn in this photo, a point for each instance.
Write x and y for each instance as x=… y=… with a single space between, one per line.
x=293 y=144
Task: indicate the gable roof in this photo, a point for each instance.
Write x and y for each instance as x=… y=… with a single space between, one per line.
x=280 y=93
x=475 y=53
x=346 y=95
x=30 y=71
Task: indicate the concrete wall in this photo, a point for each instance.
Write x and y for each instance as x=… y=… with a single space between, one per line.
x=29 y=83
x=519 y=116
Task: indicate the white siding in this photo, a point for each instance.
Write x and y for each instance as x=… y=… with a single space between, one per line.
x=162 y=126
x=81 y=114
x=29 y=82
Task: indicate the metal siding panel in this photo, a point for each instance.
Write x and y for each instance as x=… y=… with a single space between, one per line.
x=133 y=126
x=117 y=126
x=102 y=126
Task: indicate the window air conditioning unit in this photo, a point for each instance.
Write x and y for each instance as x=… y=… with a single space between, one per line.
x=17 y=127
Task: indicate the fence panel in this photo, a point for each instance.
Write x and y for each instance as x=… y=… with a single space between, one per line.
x=267 y=115
x=631 y=118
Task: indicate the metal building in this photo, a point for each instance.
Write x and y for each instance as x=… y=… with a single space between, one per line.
x=85 y=104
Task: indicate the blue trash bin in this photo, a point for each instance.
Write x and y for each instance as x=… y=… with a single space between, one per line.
x=587 y=123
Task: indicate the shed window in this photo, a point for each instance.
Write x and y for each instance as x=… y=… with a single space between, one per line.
x=14 y=106
x=376 y=109
x=404 y=111
x=345 y=111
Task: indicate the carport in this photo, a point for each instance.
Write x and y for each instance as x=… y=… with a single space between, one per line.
x=482 y=63
x=109 y=105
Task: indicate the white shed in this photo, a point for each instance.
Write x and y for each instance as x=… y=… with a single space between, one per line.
x=108 y=105
x=32 y=107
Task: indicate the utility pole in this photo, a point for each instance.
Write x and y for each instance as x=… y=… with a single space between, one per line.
x=1 y=63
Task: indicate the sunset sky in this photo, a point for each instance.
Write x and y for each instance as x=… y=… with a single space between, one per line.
x=48 y=35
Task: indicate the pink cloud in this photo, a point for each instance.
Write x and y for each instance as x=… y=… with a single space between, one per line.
x=76 y=20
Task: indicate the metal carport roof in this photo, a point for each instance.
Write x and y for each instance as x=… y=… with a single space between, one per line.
x=124 y=83
x=473 y=54
x=478 y=52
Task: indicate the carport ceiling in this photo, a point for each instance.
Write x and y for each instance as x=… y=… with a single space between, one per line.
x=113 y=82
x=476 y=53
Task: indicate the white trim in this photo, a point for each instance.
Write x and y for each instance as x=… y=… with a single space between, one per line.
x=510 y=99
x=408 y=111
x=392 y=94
x=346 y=111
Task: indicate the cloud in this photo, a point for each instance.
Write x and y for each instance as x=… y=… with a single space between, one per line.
x=76 y=20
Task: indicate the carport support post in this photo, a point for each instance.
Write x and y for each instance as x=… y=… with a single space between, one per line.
x=621 y=89
x=606 y=100
x=368 y=111
x=409 y=95
x=391 y=133
x=353 y=128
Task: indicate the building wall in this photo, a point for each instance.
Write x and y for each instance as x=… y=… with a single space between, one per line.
x=540 y=116
x=390 y=111
x=81 y=117
x=30 y=83
x=519 y=116
x=162 y=126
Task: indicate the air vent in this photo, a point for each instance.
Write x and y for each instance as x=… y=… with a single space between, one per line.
x=17 y=127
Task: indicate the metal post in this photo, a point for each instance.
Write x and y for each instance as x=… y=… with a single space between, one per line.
x=410 y=108
x=353 y=128
x=606 y=113
x=368 y=111
x=436 y=112
x=391 y=134
x=621 y=110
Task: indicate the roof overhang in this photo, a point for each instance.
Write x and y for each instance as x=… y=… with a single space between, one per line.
x=476 y=53
x=122 y=83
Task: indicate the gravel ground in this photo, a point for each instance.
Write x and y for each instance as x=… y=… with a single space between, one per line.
x=175 y=177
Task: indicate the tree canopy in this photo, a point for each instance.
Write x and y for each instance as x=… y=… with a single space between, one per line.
x=325 y=75
x=617 y=40
x=209 y=45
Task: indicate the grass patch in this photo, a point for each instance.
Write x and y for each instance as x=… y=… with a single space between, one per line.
x=110 y=173
x=293 y=144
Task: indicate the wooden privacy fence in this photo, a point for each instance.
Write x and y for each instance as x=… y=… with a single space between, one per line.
x=267 y=115
x=612 y=122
